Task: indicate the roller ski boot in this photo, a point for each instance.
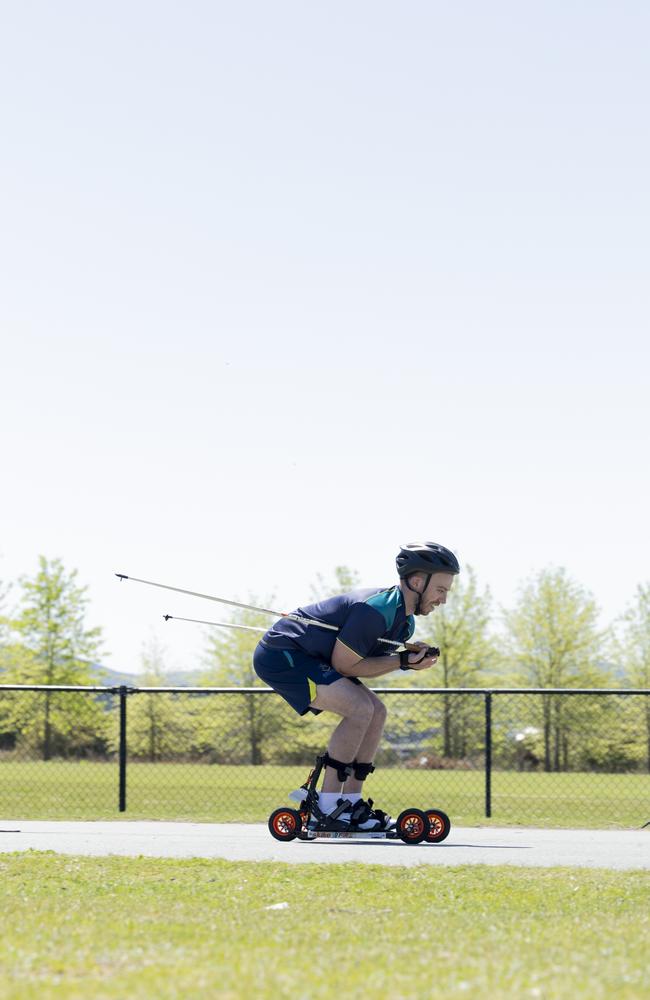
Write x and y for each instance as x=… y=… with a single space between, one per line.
x=348 y=821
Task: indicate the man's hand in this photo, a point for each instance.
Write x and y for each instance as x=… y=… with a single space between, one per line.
x=423 y=658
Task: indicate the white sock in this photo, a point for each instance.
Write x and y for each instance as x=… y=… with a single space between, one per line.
x=327 y=801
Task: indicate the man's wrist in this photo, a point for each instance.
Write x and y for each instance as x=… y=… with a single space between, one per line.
x=404 y=660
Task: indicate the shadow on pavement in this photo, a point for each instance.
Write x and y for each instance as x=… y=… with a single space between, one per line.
x=400 y=843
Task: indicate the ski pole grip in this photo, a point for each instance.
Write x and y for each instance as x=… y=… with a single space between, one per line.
x=429 y=651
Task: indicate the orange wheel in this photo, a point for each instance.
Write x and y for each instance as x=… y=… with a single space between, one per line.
x=412 y=826
x=285 y=824
x=439 y=824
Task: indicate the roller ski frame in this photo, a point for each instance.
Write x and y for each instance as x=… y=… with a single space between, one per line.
x=413 y=826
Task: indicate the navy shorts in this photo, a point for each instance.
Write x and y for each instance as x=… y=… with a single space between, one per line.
x=294 y=675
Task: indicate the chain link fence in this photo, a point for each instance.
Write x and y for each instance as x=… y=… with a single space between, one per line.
x=526 y=756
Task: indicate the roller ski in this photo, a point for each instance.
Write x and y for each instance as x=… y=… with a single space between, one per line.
x=348 y=821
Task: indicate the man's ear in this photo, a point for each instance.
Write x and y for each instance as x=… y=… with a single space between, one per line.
x=416 y=580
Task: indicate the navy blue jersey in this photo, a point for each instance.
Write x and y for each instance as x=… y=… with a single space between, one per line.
x=362 y=617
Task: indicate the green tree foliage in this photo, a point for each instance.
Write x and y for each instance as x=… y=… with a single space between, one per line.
x=54 y=646
x=553 y=641
x=467 y=654
x=7 y=653
x=632 y=641
x=632 y=648
x=4 y=620
x=460 y=629
x=345 y=580
x=240 y=728
x=552 y=633
x=52 y=627
x=159 y=726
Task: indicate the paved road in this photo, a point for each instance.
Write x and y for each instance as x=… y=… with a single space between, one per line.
x=621 y=849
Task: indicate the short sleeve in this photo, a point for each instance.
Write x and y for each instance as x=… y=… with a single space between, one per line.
x=361 y=629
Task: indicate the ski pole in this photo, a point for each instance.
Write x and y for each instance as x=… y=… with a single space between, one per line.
x=254 y=628
x=200 y=621
x=233 y=604
x=432 y=650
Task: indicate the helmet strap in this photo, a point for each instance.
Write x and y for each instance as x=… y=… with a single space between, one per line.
x=416 y=610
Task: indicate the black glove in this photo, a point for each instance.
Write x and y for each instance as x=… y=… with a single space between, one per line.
x=404 y=656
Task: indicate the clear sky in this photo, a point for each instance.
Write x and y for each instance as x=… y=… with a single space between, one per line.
x=284 y=285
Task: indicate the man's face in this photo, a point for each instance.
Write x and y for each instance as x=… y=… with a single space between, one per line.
x=436 y=593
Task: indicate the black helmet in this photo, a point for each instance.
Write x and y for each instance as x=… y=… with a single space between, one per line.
x=426 y=557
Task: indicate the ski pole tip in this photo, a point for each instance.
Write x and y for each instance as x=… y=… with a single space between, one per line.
x=167 y=617
x=121 y=576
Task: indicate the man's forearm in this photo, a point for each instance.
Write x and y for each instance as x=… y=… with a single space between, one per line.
x=373 y=666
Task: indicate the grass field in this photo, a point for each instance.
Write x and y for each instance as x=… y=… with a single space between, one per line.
x=85 y=790
x=79 y=928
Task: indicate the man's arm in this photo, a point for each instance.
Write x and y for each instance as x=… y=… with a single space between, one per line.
x=350 y=664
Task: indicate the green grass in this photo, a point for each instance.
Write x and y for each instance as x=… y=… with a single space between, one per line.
x=85 y=790
x=79 y=928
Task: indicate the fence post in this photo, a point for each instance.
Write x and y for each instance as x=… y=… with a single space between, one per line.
x=488 y=753
x=122 y=793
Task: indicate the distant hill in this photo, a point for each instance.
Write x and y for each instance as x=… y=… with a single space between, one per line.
x=115 y=678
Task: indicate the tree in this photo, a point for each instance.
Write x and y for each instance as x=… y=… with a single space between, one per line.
x=55 y=647
x=4 y=620
x=241 y=727
x=345 y=579
x=7 y=732
x=632 y=644
x=159 y=725
x=467 y=652
x=552 y=641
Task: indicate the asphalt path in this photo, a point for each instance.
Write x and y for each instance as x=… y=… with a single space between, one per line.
x=616 y=849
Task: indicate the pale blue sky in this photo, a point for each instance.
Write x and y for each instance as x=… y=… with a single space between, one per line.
x=283 y=285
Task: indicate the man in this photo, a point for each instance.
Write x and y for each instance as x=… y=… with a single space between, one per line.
x=320 y=670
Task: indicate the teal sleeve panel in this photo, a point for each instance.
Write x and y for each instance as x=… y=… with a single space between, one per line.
x=387 y=603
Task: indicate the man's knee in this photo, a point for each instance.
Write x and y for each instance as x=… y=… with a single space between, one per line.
x=379 y=710
x=362 y=709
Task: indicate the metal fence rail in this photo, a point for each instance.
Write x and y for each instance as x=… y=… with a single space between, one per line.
x=526 y=755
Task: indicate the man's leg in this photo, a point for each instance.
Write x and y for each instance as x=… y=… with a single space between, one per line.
x=369 y=744
x=364 y=816
x=353 y=702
